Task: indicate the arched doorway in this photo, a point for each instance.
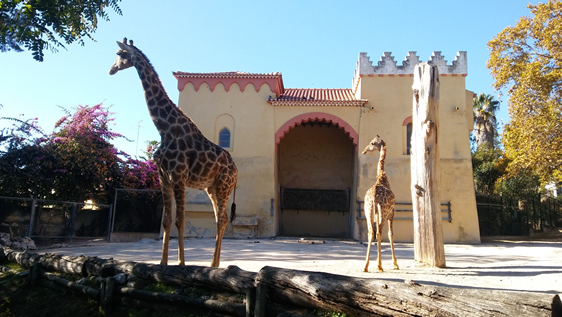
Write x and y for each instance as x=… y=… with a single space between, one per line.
x=316 y=156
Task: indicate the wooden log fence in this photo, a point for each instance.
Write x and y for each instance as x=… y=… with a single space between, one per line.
x=282 y=292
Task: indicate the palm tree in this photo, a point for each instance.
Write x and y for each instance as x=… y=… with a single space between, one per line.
x=484 y=109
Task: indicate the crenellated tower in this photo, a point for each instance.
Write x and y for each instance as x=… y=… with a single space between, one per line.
x=387 y=66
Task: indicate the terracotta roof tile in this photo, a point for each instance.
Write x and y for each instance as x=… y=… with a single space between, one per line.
x=317 y=97
x=235 y=74
x=274 y=80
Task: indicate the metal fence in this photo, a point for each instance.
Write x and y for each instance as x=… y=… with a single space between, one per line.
x=506 y=216
x=54 y=220
x=137 y=210
x=402 y=210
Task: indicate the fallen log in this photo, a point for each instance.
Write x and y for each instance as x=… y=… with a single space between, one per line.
x=48 y=262
x=91 y=292
x=368 y=297
x=231 y=279
x=355 y=296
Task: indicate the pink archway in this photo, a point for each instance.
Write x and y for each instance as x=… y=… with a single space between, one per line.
x=406 y=121
x=312 y=116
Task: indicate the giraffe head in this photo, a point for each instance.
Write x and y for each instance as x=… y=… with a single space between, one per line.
x=375 y=145
x=125 y=56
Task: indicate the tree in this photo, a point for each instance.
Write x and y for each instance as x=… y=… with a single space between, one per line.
x=527 y=59
x=484 y=109
x=488 y=167
x=37 y=25
x=23 y=159
x=88 y=165
x=75 y=163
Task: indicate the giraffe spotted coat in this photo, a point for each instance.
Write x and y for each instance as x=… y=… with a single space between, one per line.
x=185 y=158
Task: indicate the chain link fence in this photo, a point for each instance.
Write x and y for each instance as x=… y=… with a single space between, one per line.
x=53 y=220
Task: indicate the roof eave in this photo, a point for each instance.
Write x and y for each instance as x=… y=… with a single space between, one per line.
x=319 y=103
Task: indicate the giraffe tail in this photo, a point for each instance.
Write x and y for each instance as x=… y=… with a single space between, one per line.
x=233 y=207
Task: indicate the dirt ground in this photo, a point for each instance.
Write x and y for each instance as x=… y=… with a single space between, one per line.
x=522 y=264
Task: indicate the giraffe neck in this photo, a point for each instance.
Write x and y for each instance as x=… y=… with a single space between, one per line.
x=382 y=159
x=159 y=104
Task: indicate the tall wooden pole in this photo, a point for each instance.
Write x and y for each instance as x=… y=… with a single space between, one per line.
x=426 y=174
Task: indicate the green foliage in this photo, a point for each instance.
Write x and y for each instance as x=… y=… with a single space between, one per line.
x=37 y=25
x=4 y=309
x=521 y=186
x=527 y=59
x=161 y=288
x=324 y=313
x=488 y=167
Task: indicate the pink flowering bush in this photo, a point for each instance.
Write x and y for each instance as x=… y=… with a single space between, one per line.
x=75 y=162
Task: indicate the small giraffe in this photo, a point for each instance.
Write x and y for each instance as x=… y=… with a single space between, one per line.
x=379 y=206
x=185 y=157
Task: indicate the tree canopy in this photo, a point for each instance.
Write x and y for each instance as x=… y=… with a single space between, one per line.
x=527 y=60
x=37 y=25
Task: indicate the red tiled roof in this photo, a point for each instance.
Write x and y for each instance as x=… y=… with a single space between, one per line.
x=317 y=97
x=274 y=80
x=227 y=75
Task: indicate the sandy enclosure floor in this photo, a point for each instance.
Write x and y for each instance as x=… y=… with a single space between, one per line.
x=502 y=265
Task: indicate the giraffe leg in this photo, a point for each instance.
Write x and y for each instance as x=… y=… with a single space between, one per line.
x=379 y=241
x=221 y=226
x=380 y=225
x=391 y=238
x=219 y=200
x=166 y=218
x=370 y=230
x=370 y=233
x=179 y=193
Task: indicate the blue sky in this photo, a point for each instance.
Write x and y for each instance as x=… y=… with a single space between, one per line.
x=314 y=44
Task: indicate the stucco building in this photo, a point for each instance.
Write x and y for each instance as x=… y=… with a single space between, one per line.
x=298 y=151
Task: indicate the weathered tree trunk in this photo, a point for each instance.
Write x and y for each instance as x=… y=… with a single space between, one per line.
x=426 y=177
x=49 y=262
x=368 y=297
x=230 y=279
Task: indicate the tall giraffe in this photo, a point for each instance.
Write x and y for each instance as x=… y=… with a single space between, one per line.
x=379 y=206
x=185 y=157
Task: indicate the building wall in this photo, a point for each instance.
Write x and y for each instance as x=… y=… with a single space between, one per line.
x=258 y=129
x=390 y=105
x=252 y=149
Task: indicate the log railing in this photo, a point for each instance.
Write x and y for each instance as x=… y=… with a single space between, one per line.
x=292 y=288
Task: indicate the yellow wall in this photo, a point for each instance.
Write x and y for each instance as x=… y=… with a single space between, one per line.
x=253 y=123
x=390 y=103
x=252 y=149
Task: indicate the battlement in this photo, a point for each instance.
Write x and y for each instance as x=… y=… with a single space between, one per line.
x=387 y=65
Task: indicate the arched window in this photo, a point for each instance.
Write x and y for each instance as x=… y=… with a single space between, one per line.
x=224 y=138
x=408 y=138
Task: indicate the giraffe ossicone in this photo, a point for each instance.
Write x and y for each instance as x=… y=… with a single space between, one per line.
x=379 y=206
x=185 y=157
